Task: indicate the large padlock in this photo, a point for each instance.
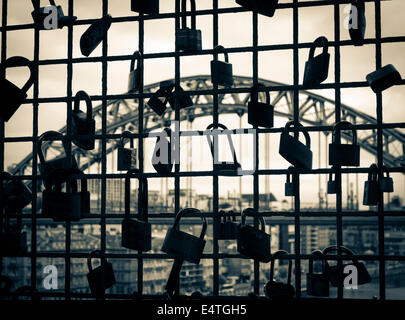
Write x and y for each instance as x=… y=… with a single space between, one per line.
x=11 y=95
x=145 y=6
x=13 y=240
x=58 y=204
x=188 y=39
x=293 y=150
x=135 y=75
x=276 y=290
x=5 y=286
x=357 y=22
x=266 y=8
x=371 y=187
x=228 y=228
x=221 y=71
x=317 y=68
x=83 y=122
x=162 y=154
x=344 y=154
x=100 y=278
x=289 y=189
x=44 y=12
x=94 y=35
x=136 y=233
x=159 y=99
x=222 y=166
x=16 y=195
x=363 y=277
x=127 y=157
x=332 y=186
x=183 y=99
x=383 y=78
x=318 y=283
x=84 y=192
x=386 y=183
x=62 y=162
x=252 y=242
x=184 y=245
x=260 y=114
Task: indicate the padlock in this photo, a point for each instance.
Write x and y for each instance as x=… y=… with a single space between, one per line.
x=266 y=8
x=332 y=187
x=159 y=99
x=12 y=96
x=135 y=75
x=371 y=187
x=222 y=166
x=188 y=39
x=276 y=290
x=383 y=78
x=16 y=195
x=136 y=233
x=357 y=22
x=363 y=277
x=162 y=154
x=57 y=204
x=221 y=71
x=94 y=35
x=83 y=123
x=317 y=68
x=184 y=245
x=5 y=286
x=100 y=278
x=183 y=99
x=48 y=167
x=228 y=229
x=318 y=283
x=39 y=17
x=293 y=150
x=13 y=240
x=127 y=157
x=344 y=154
x=386 y=183
x=260 y=114
x=251 y=242
x=84 y=192
x=289 y=190
x=145 y=6
x=27 y=292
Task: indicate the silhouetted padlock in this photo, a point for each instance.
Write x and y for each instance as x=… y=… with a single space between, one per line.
x=363 y=276
x=228 y=229
x=16 y=195
x=293 y=150
x=127 y=157
x=136 y=233
x=5 y=286
x=93 y=36
x=221 y=71
x=289 y=190
x=332 y=187
x=183 y=99
x=13 y=240
x=371 y=187
x=44 y=12
x=12 y=96
x=260 y=114
x=317 y=283
x=162 y=154
x=276 y=290
x=386 y=183
x=135 y=75
x=184 y=245
x=145 y=6
x=266 y=8
x=100 y=278
x=357 y=22
x=84 y=192
x=83 y=122
x=317 y=68
x=188 y=39
x=383 y=78
x=159 y=99
x=251 y=242
x=344 y=154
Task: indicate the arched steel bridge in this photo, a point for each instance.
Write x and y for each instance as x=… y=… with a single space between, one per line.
x=313 y=110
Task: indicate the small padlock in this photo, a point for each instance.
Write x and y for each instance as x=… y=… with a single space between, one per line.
x=13 y=240
x=289 y=190
x=276 y=290
x=260 y=114
x=371 y=187
x=266 y=8
x=221 y=72
x=344 y=154
x=332 y=187
x=318 y=283
x=159 y=99
x=135 y=75
x=293 y=150
x=162 y=154
x=222 y=166
x=383 y=78
x=188 y=40
x=12 y=97
x=386 y=183
x=44 y=12
x=84 y=192
x=228 y=229
x=127 y=157
x=16 y=195
x=83 y=123
x=5 y=286
x=145 y=6
x=136 y=233
x=100 y=278
x=251 y=242
x=184 y=245
x=183 y=99
x=317 y=68
x=93 y=36
x=357 y=22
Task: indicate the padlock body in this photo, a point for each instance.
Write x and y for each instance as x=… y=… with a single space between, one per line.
x=101 y=278
x=332 y=187
x=146 y=7
x=61 y=206
x=50 y=166
x=266 y=8
x=289 y=189
x=136 y=235
x=16 y=195
x=357 y=30
x=317 y=284
x=157 y=105
x=93 y=36
x=260 y=114
x=363 y=277
x=295 y=152
x=188 y=40
x=13 y=242
x=184 y=99
x=39 y=19
x=279 y=291
x=387 y=184
x=371 y=193
x=221 y=73
x=316 y=69
x=81 y=127
x=383 y=78
x=134 y=80
x=184 y=245
x=344 y=154
x=12 y=97
x=127 y=158
x=253 y=243
x=228 y=230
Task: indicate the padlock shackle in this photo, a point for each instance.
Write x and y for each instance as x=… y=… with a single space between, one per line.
x=384 y=168
x=273 y=258
x=336 y=248
x=126 y=135
x=344 y=125
x=311 y=260
x=253 y=213
x=373 y=172
x=82 y=95
x=319 y=42
x=191 y=210
x=73 y=182
x=290 y=171
x=290 y=124
x=137 y=56
x=184 y=17
x=45 y=136
x=220 y=49
x=18 y=61
x=142 y=194
x=255 y=92
x=93 y=255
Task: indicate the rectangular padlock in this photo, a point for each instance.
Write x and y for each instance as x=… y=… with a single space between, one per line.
x=188 y=40
x=145 y=6
x=331 y=187
x=387 y=184
x=100 y=278
x=317 y=68
x=289 y=189
x=221 y=73
x=127 y=158
x=371 y=193
x=383 y=78
x=136 y=234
